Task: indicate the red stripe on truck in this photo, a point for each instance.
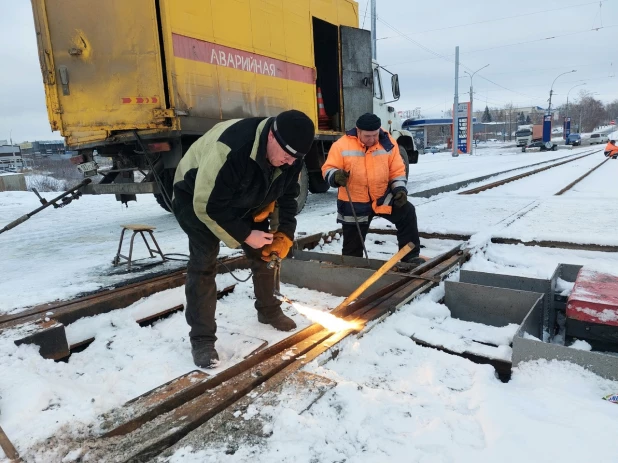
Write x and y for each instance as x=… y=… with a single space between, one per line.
x=219 y=55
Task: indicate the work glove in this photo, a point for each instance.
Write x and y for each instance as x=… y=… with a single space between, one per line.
x=341 y=177
x=400 y=198
x=281 y=246
x=264 y=213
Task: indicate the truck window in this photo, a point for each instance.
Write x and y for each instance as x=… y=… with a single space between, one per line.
x=377 y=84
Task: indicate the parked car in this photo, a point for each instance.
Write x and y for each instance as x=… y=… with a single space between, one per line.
x=574 y=139
x=539 y=146
x=432 y=149
x=599 y=138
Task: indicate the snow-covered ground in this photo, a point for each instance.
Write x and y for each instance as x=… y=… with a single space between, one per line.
x=394 y=400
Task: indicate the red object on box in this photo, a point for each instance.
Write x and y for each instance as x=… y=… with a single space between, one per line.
x=594 y=298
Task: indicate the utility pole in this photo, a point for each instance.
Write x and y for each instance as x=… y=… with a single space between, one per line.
x=471 y=122
x=456 y=106
x=374 y=39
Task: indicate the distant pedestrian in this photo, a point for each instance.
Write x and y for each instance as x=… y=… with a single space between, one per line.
x=611 y=150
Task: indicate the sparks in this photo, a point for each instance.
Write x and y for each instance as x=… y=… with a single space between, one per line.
x=327 y=320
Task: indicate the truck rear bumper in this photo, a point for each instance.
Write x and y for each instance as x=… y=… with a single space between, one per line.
x=121 y=188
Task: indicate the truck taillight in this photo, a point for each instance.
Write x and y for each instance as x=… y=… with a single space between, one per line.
x=159 y=147
x=77 y=159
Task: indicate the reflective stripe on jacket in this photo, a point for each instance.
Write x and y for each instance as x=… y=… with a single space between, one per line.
x=226 y=177
x=376 y=174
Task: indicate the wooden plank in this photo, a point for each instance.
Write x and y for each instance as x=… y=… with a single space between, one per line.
x=8 y=448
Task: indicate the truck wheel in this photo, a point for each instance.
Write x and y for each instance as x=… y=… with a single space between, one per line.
x=317 y=184
x=303 y=181
x=406 y=159
x=167 y=179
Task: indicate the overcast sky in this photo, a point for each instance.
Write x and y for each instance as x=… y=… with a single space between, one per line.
x=417 y=41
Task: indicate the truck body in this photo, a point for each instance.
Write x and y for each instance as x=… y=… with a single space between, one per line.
x=526 y=134
x=140 y=81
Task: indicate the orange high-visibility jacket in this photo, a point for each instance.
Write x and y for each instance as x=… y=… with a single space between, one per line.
x=611 y=150
x=376 y=174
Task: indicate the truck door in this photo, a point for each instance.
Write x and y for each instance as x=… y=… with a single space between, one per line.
x=101 y=63
x=356 y=74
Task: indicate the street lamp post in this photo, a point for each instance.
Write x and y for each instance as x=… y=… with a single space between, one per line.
x=551 y=90
x=471 y=122
x=567 y=104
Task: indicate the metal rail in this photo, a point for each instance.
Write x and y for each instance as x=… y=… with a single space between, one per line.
x=576 y=181
x=520 y=176
x=184 y=404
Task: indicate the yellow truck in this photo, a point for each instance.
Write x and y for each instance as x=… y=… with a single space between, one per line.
x=139 y=81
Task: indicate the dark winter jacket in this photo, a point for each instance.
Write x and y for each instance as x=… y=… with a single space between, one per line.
x=226 y=177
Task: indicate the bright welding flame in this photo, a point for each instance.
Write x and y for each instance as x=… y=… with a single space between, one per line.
x=327 y=320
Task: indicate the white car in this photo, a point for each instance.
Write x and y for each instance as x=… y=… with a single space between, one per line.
x=599 y=138
x=431 y=149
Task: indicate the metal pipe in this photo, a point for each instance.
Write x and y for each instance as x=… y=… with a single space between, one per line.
x=551 y=90
x=374 y=42
x=25 y=217
x=456 y=107
x=360 y=234
x=471 y=122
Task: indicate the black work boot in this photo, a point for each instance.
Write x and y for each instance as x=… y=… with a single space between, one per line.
x=278 y=320
x=204 y=353
x=413 y=261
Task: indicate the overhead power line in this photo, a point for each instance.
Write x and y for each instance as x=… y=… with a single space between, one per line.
x=499 y=19
x=438 y=55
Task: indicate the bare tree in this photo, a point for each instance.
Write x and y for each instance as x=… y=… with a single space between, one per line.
x=588 y=112
x=612 y=110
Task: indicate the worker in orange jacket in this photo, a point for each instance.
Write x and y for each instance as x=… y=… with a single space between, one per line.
x=367 y=160
x=611 y=150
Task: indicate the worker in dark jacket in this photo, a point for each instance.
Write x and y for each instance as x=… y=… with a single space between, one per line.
x=224 y=189
x=365 y=163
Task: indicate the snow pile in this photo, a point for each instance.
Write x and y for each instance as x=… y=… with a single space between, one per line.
x=45 y=183
x=580 y=344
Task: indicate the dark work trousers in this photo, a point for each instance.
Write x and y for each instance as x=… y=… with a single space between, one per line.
x=200 y=286
x=404 y=219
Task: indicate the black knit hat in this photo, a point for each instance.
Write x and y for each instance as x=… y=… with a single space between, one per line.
x=295 y=132
x=369 y=122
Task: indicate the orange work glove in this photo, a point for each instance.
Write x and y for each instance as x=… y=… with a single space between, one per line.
x=264 y=213
x=281 y=246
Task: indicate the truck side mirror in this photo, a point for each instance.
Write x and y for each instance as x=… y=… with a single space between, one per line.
x=395 y=86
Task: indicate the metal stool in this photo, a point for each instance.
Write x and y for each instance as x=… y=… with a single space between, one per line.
x=137 y=228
